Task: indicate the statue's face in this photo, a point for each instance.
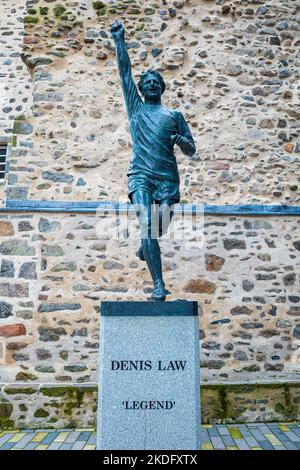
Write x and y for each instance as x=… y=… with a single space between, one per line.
x=151 y=88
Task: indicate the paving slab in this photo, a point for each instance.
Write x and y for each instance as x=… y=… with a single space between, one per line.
x=279 y=436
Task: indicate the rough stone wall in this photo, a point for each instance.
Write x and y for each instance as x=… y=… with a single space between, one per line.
x=230 y=66
x=31 y=406
x=55 y=270
x=15 y=83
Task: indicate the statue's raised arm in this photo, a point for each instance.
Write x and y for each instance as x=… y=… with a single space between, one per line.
x=131 y=95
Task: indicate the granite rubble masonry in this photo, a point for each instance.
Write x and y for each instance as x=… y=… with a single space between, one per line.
x=12 y=330
x=34 y=406
x=17 y=89
x=5 y=309
x=53 y=280
x=28 y=270
x=16 y=247
x=6 y=228
x=229 y=67
x=13 y=290
x=7 y=268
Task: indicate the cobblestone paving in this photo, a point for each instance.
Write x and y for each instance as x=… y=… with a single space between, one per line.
x=269 y=436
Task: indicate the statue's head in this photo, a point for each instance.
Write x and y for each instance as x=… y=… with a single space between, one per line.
x=151 y=85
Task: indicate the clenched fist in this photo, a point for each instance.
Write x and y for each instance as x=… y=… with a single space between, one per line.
x=117 y=30
x=176 y=139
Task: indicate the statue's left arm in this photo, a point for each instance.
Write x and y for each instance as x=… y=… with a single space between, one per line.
x=184 y=137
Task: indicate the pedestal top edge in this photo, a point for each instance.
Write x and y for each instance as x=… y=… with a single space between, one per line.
x=145 y=308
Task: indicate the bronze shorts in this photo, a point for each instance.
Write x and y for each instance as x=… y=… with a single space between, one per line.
x=159 y=189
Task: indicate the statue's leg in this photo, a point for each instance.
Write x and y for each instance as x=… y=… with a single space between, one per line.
x=166 y=212
x=143 y=202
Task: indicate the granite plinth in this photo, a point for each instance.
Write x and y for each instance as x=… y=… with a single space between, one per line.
x=149 y=384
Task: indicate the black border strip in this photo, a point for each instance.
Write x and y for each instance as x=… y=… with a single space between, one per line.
x=180 y=308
